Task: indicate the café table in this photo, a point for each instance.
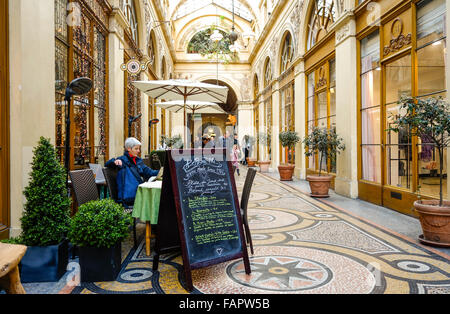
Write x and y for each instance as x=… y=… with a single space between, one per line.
x=146 y=207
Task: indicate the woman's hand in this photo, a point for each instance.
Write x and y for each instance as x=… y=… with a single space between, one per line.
x=118 y=162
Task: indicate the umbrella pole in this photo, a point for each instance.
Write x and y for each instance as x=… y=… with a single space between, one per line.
x=185 y=119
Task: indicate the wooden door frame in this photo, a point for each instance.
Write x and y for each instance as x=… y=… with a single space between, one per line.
x=5 y=205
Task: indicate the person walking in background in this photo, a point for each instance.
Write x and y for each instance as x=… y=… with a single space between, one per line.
x=235 y=158
x=246 y=147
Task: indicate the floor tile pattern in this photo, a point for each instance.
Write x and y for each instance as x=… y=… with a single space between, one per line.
x=301 y=246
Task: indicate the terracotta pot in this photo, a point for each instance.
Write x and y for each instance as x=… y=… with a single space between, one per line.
x=286 y=171
x=264 y=165
x=319 y=185
x=251 y=162
x=435 y=221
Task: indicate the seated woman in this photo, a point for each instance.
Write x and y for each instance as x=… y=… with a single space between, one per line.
x=127 y=184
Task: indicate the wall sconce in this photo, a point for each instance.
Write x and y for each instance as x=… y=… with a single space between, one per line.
x=246 y=37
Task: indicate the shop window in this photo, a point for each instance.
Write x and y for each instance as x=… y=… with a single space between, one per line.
x=89 y=60
x=268 y=106
x=431 y=45
x=287 y=95
x=370 y=108
x=321 y=101
x=311 y=114
x=398 y=145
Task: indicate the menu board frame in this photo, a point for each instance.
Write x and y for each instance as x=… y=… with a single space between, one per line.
x=171 y=230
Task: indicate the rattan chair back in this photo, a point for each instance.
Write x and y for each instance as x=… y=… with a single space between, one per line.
x=84 y=186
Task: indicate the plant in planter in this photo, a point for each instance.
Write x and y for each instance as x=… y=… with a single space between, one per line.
x=429 y=118
x=326 y=143
x=97 y=230
x=265 y=140
x=287 y=139
x=172 y=142
x=45 y=220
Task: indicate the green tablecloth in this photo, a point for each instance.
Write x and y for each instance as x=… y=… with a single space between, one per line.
x=146 y=203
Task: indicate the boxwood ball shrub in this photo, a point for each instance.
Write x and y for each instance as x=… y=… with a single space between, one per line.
x=100 y=224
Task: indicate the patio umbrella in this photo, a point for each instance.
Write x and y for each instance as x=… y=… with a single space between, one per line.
x=183 y=90
x=193 y=106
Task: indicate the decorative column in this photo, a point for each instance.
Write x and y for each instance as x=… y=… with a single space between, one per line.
x=31 y=91
x=116 y=82
x=346 y=182
x=300 y=118
x=245 y=120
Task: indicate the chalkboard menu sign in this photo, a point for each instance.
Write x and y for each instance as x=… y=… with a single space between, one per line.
x=199 y=192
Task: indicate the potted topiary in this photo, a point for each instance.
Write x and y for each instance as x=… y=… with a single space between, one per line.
x=45 y=220
x=287 y=139
x=429 y=118
x=265 y=140
x=324 y=142
x=98 y=229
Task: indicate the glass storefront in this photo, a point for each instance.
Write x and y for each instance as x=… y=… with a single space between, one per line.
x=398 y=161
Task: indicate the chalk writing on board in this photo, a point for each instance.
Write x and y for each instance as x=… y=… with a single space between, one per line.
x=211 y=220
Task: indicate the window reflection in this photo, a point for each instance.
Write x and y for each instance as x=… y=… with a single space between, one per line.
x=370 y=108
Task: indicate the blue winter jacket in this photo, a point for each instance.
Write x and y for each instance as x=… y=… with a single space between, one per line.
x=144 y=172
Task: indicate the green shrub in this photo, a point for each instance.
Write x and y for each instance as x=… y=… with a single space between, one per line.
x=45 y=220
x=325 y=142
x=100 y=223
x=17 y=240
x=289 y=139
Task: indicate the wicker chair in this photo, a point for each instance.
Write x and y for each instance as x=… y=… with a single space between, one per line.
x=110 y=177
x=251 y=173
x=84 y=186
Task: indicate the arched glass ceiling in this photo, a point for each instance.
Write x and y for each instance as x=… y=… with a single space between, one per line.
x=190 y=6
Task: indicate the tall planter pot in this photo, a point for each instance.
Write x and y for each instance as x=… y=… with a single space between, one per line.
x=435 y=222
x=319 y=185
x=44 y=263
x=286 y=171
x=100 y=264
x=251 y=162
x=264 y=165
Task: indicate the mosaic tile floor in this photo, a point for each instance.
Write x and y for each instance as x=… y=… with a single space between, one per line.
x=301 y=246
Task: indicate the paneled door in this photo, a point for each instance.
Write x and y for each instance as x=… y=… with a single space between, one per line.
x=4 y=123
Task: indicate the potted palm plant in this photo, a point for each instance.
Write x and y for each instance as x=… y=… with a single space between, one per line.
x=98 y=229
x=429 y=118
x=288 y=139
x=265 y=140
x=326 y=143
x=45 y=220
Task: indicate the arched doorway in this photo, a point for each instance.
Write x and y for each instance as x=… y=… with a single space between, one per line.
x=214 y=124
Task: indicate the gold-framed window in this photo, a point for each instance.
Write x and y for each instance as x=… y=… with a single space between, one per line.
x=81 y=51
x=403 y=56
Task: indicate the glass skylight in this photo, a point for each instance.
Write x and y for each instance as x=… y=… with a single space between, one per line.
x=192 y=5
